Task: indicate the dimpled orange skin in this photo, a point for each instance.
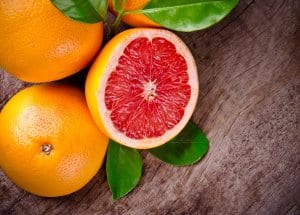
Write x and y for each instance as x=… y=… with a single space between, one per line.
x=136 y=20
x=56 y=115
x=39 y=44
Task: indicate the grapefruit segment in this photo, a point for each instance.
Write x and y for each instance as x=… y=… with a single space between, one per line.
x=143 y=87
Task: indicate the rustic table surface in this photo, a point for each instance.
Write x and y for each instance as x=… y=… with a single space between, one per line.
x=249 y=109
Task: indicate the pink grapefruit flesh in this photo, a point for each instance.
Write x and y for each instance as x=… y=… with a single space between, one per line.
x=148 y=91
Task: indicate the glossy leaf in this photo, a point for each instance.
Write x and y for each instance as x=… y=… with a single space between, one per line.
x=123 y=169
x=89 y=11
x=186 y=148
x=118 y=5
x=188 y=15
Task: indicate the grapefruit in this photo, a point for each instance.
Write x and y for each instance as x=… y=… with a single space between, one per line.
x=143 y=87
x=49 y=143
x=137 y=19
x=39 y=44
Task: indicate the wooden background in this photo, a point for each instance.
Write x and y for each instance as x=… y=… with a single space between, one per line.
x=249 y=108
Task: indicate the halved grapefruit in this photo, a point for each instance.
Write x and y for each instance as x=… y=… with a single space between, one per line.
x=143 y=87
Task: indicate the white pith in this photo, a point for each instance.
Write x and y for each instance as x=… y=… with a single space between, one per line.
x=182 y=49
x=149 y=90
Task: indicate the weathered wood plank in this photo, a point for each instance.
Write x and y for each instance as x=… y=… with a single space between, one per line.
x=249 y=108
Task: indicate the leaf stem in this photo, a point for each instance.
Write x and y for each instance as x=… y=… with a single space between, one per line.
x=117 y=22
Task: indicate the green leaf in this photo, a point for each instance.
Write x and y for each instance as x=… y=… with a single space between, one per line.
x=187 y=15
x=118 y=5
x=89 y=11
x=123 y=169
x=186 y=148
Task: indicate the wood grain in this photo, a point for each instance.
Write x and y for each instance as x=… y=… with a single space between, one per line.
x=249 y=108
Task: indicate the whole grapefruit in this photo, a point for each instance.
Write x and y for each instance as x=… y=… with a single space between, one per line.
x=39 y=44
x=49 y=143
